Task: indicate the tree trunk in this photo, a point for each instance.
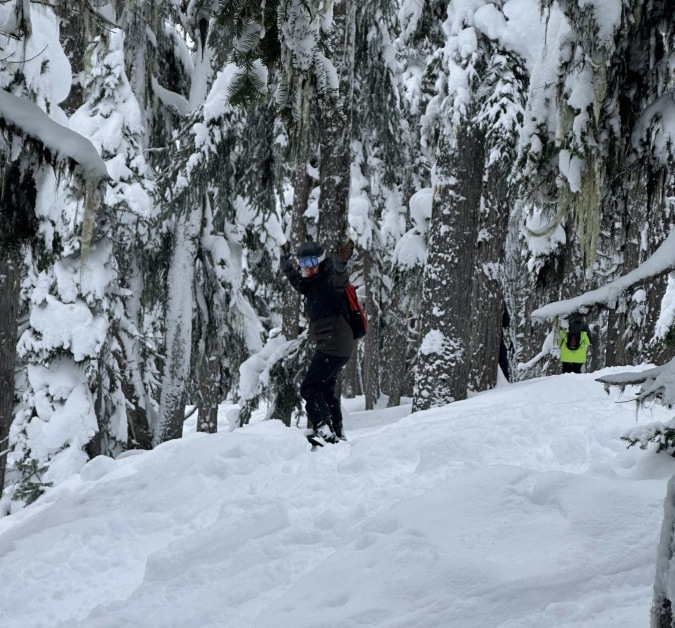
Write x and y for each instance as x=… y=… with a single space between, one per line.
x=9 y=303
x=349 y=380
x=443 y=357
x=292 y=302
x=209 y=386
x=662 y=611
x=336 y=130
x=371 y=370
x=178 y=328
x=301 y=185
x=487 y=302
x=394 y=350
x=132 y=368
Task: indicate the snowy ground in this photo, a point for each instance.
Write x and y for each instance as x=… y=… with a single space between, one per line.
x=518 y=508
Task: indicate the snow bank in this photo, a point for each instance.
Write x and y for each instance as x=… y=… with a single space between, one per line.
x=517 y=508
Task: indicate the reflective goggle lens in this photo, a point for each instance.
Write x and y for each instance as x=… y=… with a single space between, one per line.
x=308 y=262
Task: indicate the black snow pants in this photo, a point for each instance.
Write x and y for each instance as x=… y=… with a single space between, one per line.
x=318 y=390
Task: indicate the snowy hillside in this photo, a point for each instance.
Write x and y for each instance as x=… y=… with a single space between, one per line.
x=518 y=508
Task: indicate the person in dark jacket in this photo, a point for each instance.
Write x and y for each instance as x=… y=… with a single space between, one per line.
x=322 y=281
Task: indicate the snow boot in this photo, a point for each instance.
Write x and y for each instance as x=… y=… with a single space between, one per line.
x=323 y=433
x=339 y=432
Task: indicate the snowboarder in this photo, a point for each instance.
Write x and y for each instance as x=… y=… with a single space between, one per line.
x=574 y=343
x=322 y=281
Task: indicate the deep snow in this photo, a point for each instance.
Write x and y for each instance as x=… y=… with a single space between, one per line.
x=519 y=507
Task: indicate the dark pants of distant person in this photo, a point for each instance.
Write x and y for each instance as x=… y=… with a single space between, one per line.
x=571 y=367
x=318 y=390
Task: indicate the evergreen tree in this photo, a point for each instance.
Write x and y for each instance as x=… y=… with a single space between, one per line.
x=61 y=343
x=595 y=165
x=379 y=161
x=501 y=114
x=475 y=119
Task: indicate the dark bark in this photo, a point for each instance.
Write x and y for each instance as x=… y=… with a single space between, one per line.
x=487 y=301
x=394 y=352
x=662 y=611
x=286 y=395
x=336 y=128
x=301 y=190
x=137 y=418
x=9 y=301
x=178 y=332
x=209 y=377
x=18 y=227
x=371 y=355
x=443 y=359
x=130 y=359
x=349 y=379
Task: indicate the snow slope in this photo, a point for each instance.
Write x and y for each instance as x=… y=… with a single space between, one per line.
x=519 y=507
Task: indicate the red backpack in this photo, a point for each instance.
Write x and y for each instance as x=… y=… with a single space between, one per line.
x=356 y=316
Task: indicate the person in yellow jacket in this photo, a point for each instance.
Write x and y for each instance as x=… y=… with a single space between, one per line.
x=574 y=343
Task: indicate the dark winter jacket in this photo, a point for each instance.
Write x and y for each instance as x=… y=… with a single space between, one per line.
x=326 y=308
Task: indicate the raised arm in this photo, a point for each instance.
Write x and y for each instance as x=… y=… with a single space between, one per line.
x=340 y=272
x=289 y=268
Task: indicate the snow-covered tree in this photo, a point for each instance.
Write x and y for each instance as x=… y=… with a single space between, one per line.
x=596 y=154
x=65 y=306
x=471 y=124
x=380 y=144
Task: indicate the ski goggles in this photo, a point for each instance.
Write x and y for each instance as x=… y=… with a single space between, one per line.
x=308 y=261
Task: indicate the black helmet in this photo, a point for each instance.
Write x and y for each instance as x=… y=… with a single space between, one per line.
x=308 y=249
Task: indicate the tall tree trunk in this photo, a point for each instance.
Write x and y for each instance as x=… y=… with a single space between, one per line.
x=301 y=185
x=443 y=357
x=336 y=129
x=133 y=386
x=178 y=327
x=662 y=605
x=292 y=303
x=351 y=380
x=209 y=377
x=9 y=303
x=395 y=348
x=18 y=227
x=371 y=370
x=486 y=291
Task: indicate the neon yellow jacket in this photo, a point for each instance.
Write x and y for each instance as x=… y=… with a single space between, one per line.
x=579 y=355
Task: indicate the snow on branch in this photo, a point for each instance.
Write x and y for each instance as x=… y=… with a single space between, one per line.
x=656 y=126
x=170 y=99
x=31 y=121
x=657 y=383
x=661 y=261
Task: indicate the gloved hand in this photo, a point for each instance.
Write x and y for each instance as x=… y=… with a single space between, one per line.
x=345 y=250
x=285 y=256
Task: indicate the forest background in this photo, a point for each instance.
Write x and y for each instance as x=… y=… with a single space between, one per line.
x=483 y=154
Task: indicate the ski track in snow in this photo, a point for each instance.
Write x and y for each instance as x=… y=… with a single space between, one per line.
x=518 y=508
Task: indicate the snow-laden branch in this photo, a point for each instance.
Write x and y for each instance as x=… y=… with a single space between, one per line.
x=657 y=383
x=170 y=99
x=661 y=261
x=63 y=143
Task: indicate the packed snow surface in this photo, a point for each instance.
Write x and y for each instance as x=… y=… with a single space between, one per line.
x=518 y=508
